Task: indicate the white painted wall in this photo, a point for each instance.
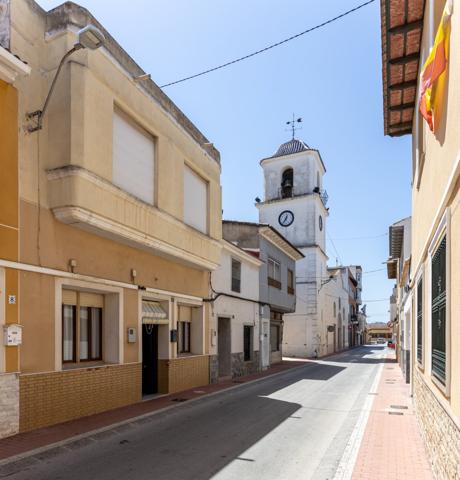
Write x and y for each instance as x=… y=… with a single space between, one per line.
x=241 y=312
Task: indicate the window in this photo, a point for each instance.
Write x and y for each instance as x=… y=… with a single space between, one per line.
x=195 y=200
x=81 y=319
x=420 y=320
x=247 y=340
x=438 y=312
x=183 y=343
x=290 y=281
x=184 y=330
x=236 y=275
x=287 y=183
x=274 y=273
x=275 y=338
x=133 y=158
x=335 y=310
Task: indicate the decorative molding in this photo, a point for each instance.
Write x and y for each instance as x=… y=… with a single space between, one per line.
x=11 y=66
x=86 y=219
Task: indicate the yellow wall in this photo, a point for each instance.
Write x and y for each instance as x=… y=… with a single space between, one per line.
x=9 y=204
x=442 y=151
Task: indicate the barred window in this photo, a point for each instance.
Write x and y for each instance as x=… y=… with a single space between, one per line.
x=420 y=320
x=236 y=275
x=438 y=312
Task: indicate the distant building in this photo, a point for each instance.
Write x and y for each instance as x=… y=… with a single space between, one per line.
x=378 y=332
x=277 y=289
x=236 y=323
x=399 y=269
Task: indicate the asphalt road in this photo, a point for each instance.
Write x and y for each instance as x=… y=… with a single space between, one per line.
x=294 y=425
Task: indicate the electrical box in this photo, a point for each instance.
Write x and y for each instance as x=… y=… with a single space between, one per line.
x=12 y=335
x=173 y=336
x=132 y=335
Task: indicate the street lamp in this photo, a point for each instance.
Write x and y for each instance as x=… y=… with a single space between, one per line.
x=89 y=37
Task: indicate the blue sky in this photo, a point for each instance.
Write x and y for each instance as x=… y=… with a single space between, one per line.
x=330 y=77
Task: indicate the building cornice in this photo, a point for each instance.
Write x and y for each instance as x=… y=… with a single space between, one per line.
x=11 y=67
x=240 y=253
x=87 y=220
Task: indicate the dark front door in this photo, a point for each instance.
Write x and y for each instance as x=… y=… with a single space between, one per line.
x=149 y=359
x=224 y=347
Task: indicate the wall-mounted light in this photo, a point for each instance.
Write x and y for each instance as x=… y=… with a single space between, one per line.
x=88 y=37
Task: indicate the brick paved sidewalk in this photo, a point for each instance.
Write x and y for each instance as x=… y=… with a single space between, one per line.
x=24 y=443
x=392 y=447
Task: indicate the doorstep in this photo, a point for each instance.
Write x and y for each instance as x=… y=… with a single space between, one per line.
x=30 y=443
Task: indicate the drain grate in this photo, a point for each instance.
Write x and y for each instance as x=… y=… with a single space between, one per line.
x=238 y=381
x=395 y=413
x=179 y=399
x=400 y=407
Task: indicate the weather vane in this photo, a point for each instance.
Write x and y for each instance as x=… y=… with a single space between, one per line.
x=292 y=123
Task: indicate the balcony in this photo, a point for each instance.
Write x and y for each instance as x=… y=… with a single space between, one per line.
x=87 y=201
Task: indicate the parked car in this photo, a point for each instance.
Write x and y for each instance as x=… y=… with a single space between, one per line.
x=391 y=344
x=380 y=340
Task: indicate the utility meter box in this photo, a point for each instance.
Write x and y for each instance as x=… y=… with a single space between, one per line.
x=132 y=335
x=12 y=335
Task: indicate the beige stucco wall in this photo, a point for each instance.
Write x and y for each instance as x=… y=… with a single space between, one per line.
x=78 y=131
x=442 y=152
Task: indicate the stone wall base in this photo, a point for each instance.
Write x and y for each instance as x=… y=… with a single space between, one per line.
x=241 y=368
x=439 y=431
x=9 y=404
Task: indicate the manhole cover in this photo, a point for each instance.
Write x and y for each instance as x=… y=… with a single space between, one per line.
x=400 y=407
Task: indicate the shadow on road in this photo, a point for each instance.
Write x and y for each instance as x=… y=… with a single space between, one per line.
x=194 y=441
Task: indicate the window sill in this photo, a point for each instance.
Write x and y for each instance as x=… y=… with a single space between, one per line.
x=274 y=283
x=85 y=365
x=440 y=386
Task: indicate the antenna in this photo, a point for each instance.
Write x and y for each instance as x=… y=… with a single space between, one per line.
x=293 y=123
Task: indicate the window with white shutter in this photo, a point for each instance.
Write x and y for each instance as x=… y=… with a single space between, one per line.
x=133 y=157
x=195 y=200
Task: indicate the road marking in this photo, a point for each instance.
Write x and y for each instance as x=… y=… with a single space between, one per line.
x=350 y=454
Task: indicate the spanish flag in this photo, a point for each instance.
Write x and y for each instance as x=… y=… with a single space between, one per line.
x=433 y=76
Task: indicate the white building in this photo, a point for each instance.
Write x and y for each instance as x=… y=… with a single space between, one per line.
x=236 y=342
x=295 y=204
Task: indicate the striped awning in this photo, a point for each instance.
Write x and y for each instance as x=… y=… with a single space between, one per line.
x=153 y=313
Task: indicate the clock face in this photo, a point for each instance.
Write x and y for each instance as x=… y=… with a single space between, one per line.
x=286 y=218
x=320 y=222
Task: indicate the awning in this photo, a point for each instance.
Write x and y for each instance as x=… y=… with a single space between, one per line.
x=153 y=313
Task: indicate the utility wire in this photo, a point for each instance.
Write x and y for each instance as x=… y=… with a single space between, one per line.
x=362 y=238
x=269 y=47
x=335 y=249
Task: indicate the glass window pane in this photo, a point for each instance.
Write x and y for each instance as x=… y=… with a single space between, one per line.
x=84 y=333
x=68 y=320
x=96 y=333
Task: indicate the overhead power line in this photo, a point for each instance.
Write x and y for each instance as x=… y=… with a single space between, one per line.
x=362 y=238
x=269 y=47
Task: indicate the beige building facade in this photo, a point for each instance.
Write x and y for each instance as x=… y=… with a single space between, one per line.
x=435 y=262
x=117 y=229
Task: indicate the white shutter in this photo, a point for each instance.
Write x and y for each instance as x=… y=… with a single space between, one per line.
x=133 y=157
x=195 y=200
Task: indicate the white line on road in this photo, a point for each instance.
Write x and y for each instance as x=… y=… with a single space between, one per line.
x=350 y=454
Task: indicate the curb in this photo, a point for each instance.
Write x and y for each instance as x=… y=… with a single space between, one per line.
x=113 y=426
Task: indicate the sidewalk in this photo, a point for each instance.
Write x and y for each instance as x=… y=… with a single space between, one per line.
x=28 y=443
x=392 y=447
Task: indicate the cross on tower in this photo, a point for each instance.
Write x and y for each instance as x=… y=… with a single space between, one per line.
x=293 y=126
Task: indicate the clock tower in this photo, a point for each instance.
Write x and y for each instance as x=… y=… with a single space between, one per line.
x=295 y=204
